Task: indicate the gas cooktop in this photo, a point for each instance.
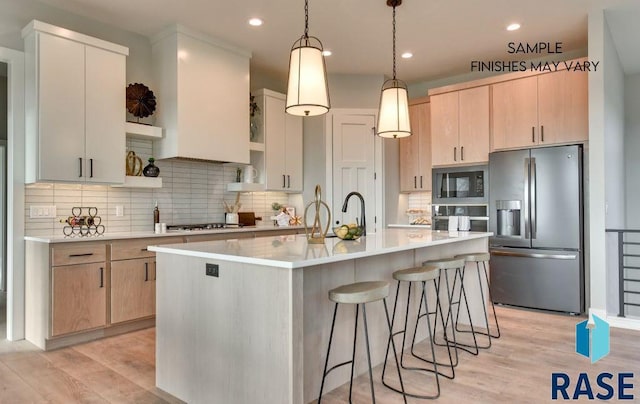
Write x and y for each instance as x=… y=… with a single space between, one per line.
x=201 y=226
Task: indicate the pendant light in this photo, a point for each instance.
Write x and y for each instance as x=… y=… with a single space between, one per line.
x=307 y=91
x=393 y=115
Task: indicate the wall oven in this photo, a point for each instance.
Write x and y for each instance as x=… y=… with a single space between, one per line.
x=461 y=185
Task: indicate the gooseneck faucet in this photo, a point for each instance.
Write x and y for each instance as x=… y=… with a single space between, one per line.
x=363 y=222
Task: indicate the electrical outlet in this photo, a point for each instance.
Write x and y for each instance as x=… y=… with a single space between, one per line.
x=42 y=212
x=119 y=210
x=212 y=270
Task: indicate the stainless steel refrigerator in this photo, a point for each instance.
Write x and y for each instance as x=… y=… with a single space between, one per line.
x=536 y=216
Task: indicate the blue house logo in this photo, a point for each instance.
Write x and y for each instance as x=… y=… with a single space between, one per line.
x=592 y=338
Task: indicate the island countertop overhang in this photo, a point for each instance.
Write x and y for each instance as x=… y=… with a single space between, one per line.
x=295 y=252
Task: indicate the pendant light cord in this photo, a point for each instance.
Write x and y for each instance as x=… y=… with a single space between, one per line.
x=306 y=19
x=394 y=42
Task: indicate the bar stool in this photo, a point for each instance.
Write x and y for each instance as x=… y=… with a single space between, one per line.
x=421 y=274
x=483 y=257
x=456 y=265
x=359 y=294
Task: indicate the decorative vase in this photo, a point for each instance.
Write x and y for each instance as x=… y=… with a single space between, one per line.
x=316 y=233
x=151 y=170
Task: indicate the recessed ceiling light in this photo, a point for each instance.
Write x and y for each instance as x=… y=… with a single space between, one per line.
x=256 y=22
x=326 y=52
x=513 y=27
x=407 y=55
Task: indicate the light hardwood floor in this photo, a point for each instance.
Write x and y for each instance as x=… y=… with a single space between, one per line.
x=517 y=369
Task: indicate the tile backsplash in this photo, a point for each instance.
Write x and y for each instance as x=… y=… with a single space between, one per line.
x=192 y=192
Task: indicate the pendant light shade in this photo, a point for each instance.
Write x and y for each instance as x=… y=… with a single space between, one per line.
x=393 y=115
x=307 y=89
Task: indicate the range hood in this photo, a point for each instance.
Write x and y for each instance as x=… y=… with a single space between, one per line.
x=202 y=87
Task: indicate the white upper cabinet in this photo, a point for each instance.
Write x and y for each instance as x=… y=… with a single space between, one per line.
x=202 y=87
x=75 y=98
x=283 y=143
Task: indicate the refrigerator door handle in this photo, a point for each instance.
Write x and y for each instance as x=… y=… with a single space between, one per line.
x=527 y=229
x=534 y=200
x=535 y=255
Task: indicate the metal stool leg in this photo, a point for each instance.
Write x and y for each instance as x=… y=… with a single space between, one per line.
x=366 y=337
x=488 y=333
x=493 y=307
x=427 y=314
x=463 y=292
x=450 y=293
x=353 y=356
x=404 y=332
x=326 y=362
x=395 y=353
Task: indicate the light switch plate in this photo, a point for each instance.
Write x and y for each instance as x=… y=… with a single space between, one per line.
x=42 y=212
x=119 y=210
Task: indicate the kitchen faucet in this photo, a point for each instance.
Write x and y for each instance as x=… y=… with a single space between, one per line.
x=363 y=222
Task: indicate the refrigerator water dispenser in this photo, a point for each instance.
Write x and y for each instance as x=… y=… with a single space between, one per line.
x=508 y=216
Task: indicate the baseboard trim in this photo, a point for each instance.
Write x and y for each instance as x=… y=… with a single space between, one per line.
x=624 y=322
x=74 y=339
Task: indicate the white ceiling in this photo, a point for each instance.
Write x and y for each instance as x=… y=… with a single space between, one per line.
x=444 y=35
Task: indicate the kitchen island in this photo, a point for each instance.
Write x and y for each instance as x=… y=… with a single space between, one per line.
x=248 y=321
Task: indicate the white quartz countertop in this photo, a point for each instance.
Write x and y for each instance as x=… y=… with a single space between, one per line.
x=294 y=252
x=149 y=234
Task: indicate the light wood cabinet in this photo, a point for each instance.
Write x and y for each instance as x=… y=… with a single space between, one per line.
x=282 y=134
x=75 y=87
x=133 y=293
x=460 y=127
x=133 y=278
x=415 y=150
x=79 y=298
x=546 y=109
x=78 y=287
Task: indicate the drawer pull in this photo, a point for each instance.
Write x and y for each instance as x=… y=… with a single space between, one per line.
x=144 y=249
x=101 y=277
x=80 y=255
x=146 y=271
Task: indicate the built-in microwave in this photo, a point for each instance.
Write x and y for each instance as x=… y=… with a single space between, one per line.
x=456 y=185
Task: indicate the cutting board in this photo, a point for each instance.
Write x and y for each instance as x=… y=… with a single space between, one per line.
x=246 y=218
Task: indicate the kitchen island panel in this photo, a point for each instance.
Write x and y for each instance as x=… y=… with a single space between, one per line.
x=259 y=332
x=228 y=338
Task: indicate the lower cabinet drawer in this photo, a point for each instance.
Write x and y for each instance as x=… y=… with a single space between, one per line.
x=78 y=253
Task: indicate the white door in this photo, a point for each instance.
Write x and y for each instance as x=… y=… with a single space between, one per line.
x=354 y=167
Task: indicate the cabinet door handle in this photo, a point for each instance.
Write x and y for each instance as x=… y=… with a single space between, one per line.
x=288 y=181
x=146 y=271
x=90 y=168
x=80 y=158
x=101 y=277
x=542 y=133
x=80 y=255
x=533 y=134
x=144 y=249
x=455 y=154
x=462 y=153
x=415 y=181
x=155 y=273
x=421 y=182
x=284 y=181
